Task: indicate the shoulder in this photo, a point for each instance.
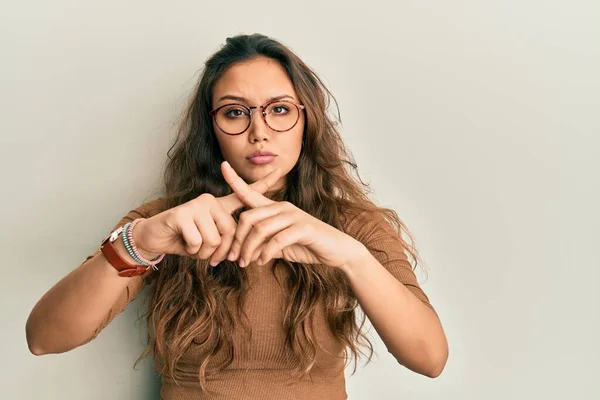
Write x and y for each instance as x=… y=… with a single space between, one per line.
x=368 y=225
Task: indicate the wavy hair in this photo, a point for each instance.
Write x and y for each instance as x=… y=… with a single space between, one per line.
x=193 y=303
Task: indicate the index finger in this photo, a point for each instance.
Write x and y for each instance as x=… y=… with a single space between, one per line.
x=244 y=194
x=247 y=194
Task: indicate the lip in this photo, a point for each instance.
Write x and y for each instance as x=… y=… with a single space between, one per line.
x=261 y=153
x=261 y=157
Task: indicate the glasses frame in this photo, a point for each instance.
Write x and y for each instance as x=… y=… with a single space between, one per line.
x=299 y=107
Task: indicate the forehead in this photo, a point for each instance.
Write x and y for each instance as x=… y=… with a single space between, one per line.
x=257 y=80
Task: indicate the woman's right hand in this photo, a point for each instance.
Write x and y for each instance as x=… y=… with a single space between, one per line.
x=201 y=228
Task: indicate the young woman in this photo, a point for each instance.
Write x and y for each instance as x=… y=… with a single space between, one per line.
x=260 y=252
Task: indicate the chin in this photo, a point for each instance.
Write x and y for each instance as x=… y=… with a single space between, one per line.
x=252 y=173
x=256 y=172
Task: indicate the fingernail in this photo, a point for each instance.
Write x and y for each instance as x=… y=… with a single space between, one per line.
x=231 y=256
x=214 y=263
x=260 y=261
x=242 y=263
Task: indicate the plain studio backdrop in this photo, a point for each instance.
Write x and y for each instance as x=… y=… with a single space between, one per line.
x=476 y=121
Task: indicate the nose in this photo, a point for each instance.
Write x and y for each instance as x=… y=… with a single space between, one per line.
x=258 y=130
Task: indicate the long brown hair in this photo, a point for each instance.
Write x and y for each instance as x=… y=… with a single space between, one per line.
x=190 y=300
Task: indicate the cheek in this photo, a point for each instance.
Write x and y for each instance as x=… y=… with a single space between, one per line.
x=229 y=146
x=298 y=138
x=292 y=144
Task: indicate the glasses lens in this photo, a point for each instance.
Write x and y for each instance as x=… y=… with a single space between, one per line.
x=281 y=115
x=233 y=119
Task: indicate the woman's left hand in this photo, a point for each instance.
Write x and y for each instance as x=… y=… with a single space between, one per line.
x=273 y=229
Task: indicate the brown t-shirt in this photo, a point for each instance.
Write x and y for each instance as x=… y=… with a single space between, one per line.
x=262 y=366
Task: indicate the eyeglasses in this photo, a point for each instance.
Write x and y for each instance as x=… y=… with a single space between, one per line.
x=235 y=119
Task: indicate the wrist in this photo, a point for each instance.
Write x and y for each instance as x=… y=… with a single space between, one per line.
x=137 y=235
x=146 y=254
x=360 y=258
x=120 y=248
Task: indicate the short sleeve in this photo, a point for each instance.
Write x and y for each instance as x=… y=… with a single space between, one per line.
x=137 y=283
x=384 y=242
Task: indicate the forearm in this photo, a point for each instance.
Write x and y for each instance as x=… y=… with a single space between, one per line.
x=71 y=311
x=410 y=329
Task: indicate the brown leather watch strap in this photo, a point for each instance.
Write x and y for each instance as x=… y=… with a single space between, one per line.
x=119 y=263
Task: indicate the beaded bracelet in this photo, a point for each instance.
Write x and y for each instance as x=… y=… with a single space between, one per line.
x=128 y=245
x=132 y=249
x=153 y=263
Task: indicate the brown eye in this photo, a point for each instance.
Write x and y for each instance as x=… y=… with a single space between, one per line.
x=235 y=113
x=279 y=109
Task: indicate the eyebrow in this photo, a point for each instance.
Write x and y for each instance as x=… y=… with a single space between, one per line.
x=244 y=100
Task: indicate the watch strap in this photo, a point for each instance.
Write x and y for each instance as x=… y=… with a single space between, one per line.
x=115 y=259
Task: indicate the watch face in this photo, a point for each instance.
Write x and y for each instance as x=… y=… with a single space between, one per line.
x=115 y=235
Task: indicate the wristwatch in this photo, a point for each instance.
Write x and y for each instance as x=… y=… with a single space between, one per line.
x=116 y=260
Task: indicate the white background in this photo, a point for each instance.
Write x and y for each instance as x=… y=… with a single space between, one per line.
x=477 y=121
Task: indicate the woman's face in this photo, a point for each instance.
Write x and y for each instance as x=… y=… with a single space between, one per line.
x=254 y=83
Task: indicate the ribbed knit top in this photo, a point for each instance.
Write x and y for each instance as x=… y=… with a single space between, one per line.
x=263 y=363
